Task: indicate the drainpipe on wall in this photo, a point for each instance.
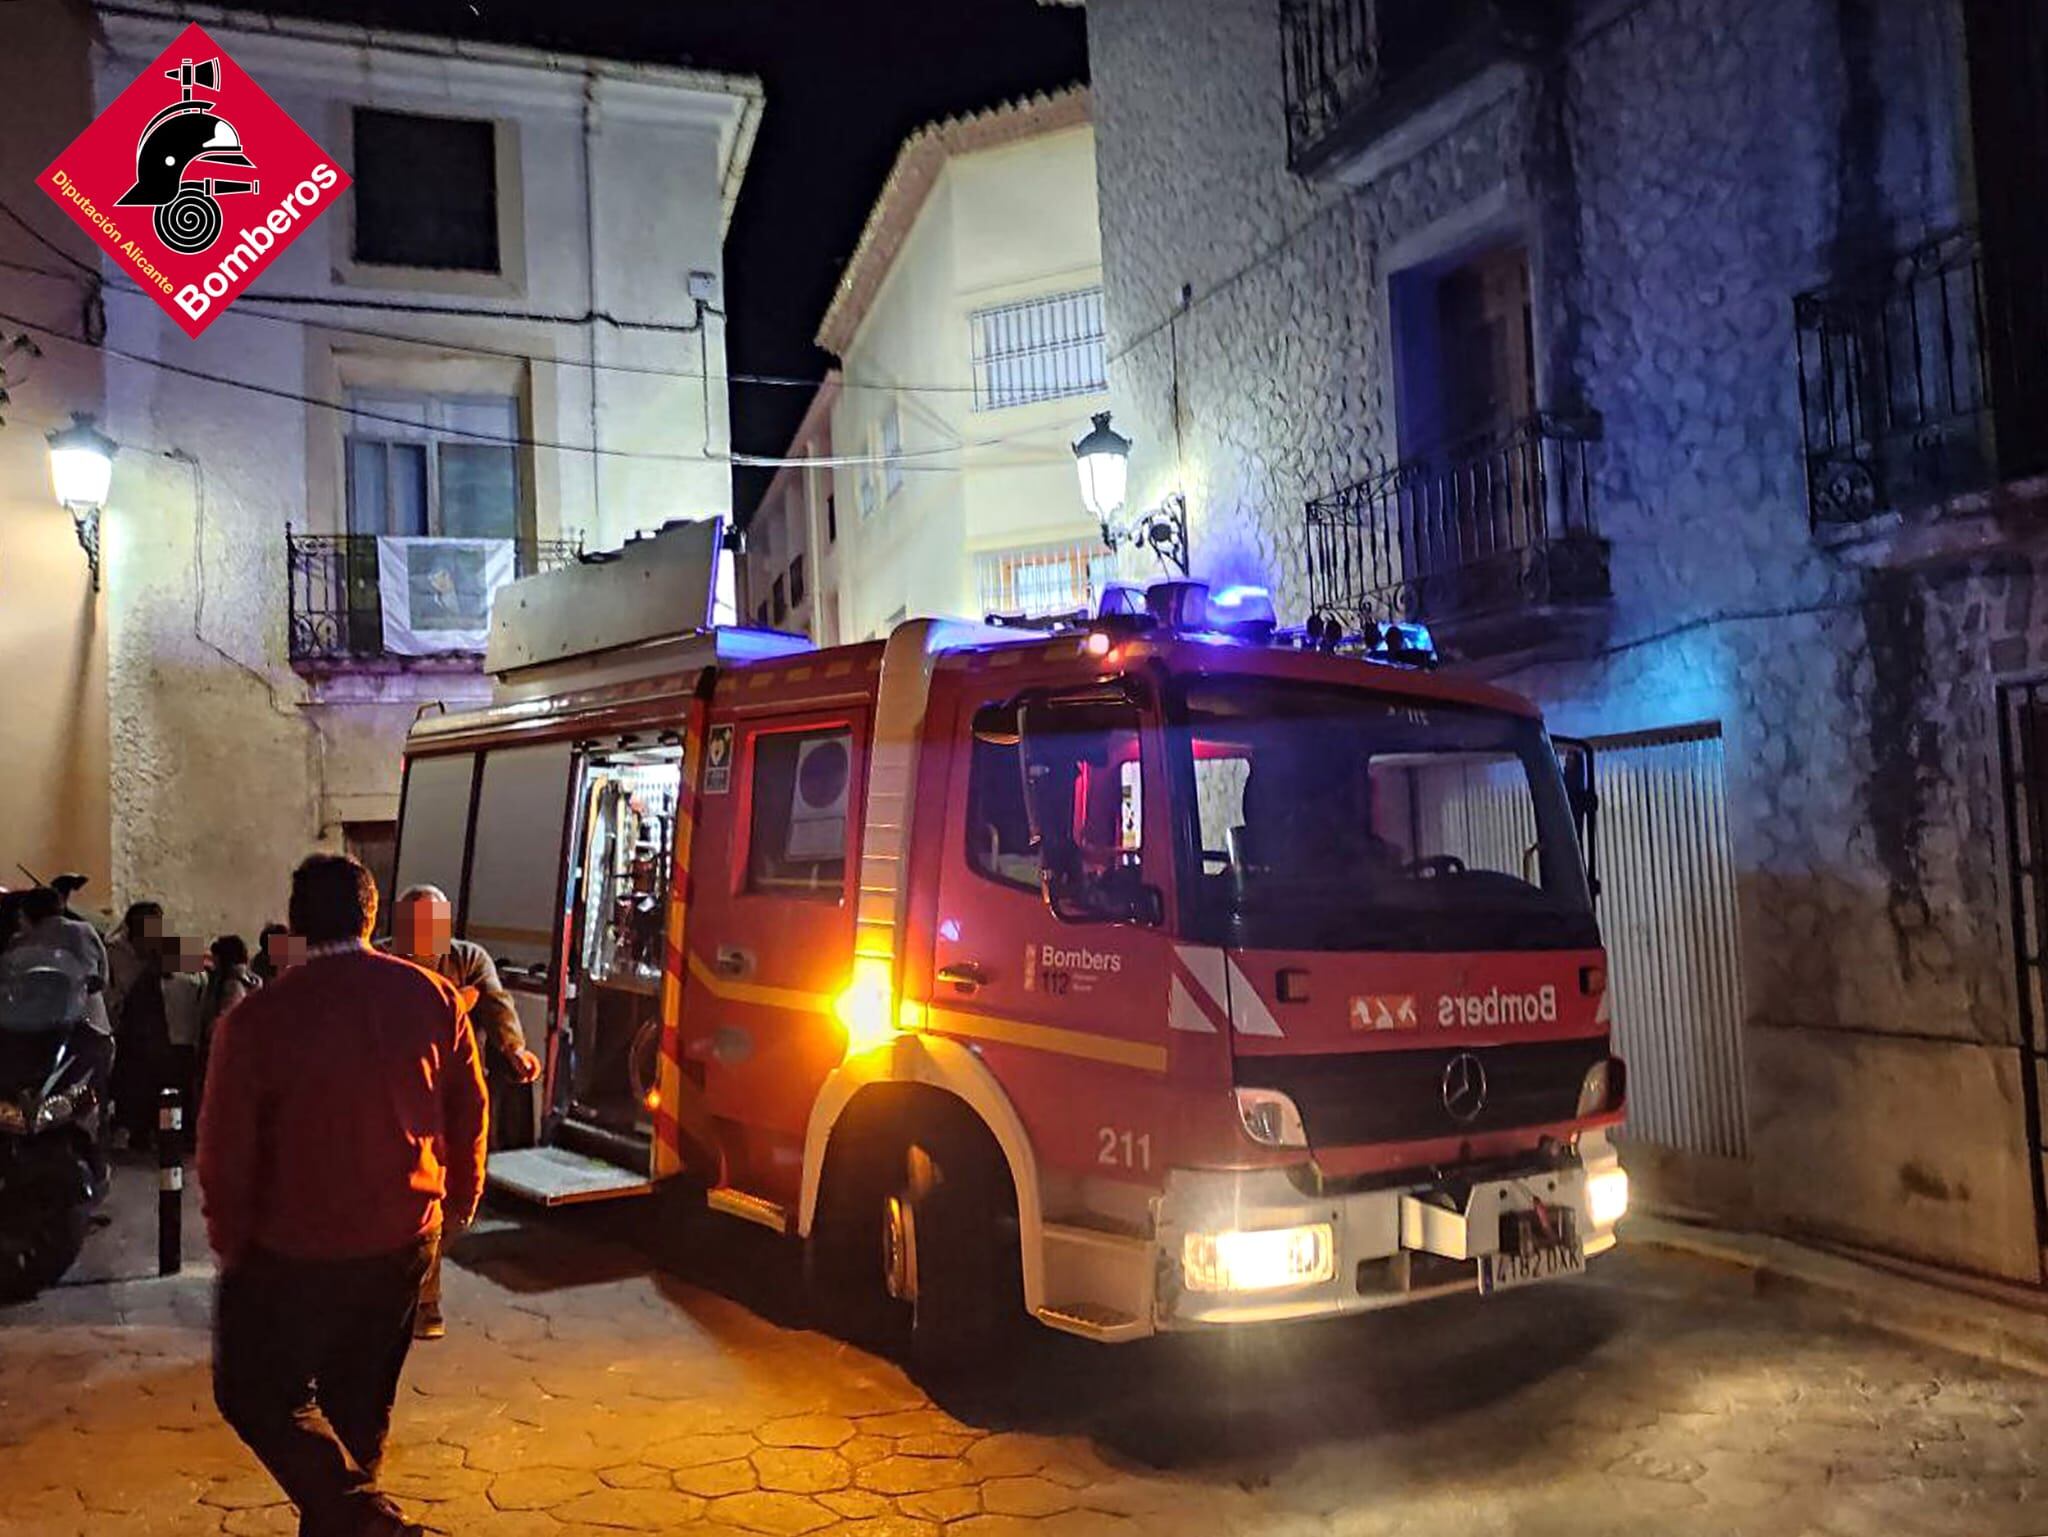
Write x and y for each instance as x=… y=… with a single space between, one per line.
x=599 y=532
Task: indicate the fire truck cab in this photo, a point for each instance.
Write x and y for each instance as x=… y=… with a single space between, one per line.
x=1162 y=972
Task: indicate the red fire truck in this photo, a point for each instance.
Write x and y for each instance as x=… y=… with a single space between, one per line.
x=1161 y=972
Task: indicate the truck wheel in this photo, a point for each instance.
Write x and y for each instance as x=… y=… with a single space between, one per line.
x=844 y=1252
x=949 y=1254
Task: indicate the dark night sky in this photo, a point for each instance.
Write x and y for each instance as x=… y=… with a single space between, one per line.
x=846 y=80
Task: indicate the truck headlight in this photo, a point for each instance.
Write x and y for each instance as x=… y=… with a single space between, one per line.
x=1271 y=1118
x=1260 y=1260
x=1602 y=1088
x=1607 y=1197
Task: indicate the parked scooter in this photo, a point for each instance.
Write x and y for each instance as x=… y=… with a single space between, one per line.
x=53 y=1089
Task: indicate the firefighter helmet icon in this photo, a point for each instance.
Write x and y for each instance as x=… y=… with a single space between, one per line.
x=186 y=134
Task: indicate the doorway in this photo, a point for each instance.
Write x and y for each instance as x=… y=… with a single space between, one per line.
x=2023 y=763
x=375 y=845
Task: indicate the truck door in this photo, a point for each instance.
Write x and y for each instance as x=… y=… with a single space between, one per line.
x=770 y=935
x=1067 y=1008
x=510 y=899
x=433 y=828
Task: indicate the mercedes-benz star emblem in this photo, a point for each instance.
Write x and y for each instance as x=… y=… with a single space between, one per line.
x=1464 y=1086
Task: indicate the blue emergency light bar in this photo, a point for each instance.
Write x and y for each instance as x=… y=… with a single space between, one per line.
x=1245 y=613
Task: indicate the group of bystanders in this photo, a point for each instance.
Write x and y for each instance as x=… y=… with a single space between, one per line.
x=343 y=1111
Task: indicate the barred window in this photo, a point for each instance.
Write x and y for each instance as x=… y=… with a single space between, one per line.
x=1047 y=579
x=1041 y=349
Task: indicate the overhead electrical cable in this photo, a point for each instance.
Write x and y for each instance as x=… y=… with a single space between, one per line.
x=905 y=458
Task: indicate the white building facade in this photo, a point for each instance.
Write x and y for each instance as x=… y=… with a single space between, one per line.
x=507 y=333
x=790 y=572
x=969 y=326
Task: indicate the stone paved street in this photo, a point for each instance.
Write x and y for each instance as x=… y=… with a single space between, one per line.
x=596 y=1382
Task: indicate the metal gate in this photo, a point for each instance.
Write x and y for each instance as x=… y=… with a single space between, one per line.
x=1668 y=915
x=2023 y=757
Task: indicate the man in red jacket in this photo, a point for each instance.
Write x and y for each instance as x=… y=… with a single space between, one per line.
x=342 y=1132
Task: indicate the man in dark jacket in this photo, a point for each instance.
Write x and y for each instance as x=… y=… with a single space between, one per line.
x=343 y=1133
x=423 y=931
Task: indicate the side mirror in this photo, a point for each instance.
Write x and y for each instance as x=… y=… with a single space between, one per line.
x=1575 y=760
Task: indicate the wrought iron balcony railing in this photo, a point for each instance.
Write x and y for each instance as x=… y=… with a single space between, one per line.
x=335 y=607
x=1492 y=531
x=1354 y=69
x=1900 y=378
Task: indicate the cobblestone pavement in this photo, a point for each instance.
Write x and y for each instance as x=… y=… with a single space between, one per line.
x=599 y=1381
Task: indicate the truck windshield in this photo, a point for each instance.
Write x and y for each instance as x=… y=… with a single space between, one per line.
x=1341 y=819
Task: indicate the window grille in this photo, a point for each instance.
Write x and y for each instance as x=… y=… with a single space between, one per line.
x=1049 y=579
x=1041 y=349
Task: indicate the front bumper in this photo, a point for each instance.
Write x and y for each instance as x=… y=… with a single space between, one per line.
x=1389 y=1246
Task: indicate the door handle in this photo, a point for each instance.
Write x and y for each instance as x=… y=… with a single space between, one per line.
x=732 y=961
x=964 y=976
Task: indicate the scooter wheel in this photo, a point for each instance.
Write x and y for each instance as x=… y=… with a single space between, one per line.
x=36 y=1252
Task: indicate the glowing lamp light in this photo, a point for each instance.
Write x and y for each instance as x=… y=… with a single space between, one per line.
x=1607 y=1197
x=81 y=464
x=1266 y=1259
x=1103 y=460
x=865 y=1008
x=81 y=474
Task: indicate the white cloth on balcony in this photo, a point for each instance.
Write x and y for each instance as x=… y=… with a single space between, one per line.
x=436 y=593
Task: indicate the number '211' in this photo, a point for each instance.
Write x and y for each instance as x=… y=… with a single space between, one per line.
x=1123 y=1149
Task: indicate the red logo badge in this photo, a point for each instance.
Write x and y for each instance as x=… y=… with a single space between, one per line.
x=194 y=180
x=1383 y=1011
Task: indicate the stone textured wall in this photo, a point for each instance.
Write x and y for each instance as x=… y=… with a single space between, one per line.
x=1686 y=169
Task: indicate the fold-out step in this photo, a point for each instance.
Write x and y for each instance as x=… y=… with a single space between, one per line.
x=554 y=1176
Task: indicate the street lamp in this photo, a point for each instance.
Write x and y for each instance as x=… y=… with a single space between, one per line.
x=81 y=471
x=1103 y=458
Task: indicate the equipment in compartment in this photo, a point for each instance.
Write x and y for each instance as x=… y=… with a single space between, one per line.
x=625 y=851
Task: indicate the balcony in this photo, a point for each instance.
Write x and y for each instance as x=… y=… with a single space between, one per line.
x=1355 y=71
x=1916 y=395
x=336 y=607
x=1495 y=547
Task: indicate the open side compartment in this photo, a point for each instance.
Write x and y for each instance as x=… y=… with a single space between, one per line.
x=605 y=1046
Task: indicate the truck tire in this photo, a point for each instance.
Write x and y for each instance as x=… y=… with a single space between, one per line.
x=960 y=1274
x=844 y=1290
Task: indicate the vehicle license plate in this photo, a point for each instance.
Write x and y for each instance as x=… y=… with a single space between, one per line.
x=1530 y=1263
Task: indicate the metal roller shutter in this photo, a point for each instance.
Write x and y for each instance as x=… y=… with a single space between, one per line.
x=1668 y=914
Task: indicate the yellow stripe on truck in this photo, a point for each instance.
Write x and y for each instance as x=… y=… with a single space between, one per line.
x=979 y=1027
